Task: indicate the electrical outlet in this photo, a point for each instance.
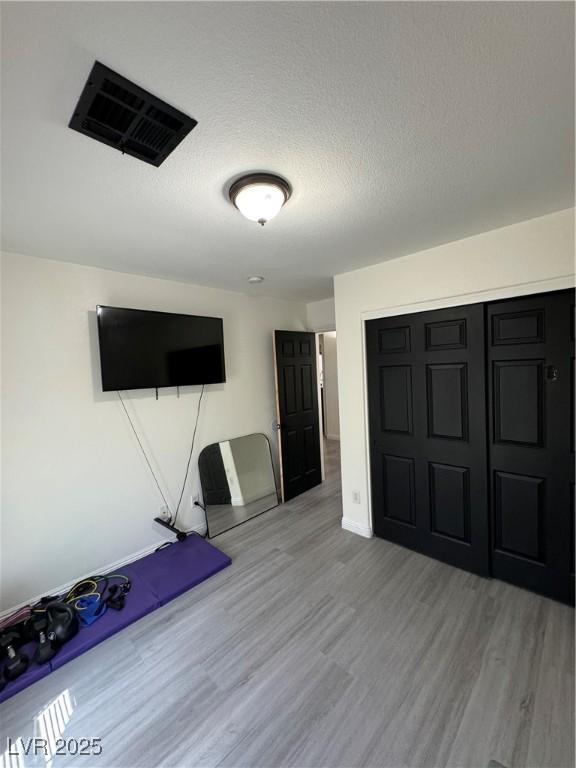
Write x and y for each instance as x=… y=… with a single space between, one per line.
x=164 y=513
x=356 y=497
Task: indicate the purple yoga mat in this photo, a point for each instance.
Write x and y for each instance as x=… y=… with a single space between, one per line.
x=169 y=573
x=156 y=579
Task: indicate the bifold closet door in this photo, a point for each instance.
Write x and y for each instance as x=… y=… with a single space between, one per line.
x=427 y=419
x=531 y=408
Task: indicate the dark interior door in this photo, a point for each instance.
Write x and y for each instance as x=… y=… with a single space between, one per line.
x=531 y=406
x=427 y=418
x=215 y=488
x=297 y=405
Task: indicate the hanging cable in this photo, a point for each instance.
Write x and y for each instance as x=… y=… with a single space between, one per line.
x=189 y=456
x=144 y=452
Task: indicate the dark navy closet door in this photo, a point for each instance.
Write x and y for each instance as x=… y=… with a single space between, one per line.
x=427 y=418
x=531 y=408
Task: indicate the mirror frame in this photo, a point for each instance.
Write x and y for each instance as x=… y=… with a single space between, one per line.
x=278 y=500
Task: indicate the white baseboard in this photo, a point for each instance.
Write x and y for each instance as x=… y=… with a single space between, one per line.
x=360 y=530
x=201 y=528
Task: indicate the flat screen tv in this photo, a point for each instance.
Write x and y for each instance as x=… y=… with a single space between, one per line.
x=141 y=349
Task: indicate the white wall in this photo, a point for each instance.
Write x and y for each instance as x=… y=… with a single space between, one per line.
x=331 y=387
x=503 y=262
x=77 y=494
x=320 y=315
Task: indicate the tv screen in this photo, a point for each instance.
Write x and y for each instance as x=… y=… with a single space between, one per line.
x=141 y=349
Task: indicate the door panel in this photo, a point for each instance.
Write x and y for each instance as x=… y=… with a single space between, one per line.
x=447 y=391
x=518 y=402
x=297 y=405
x=398 y=489
x=530 y=359
x=392 y=340
x=396 y=398
x=289 y=394
x=426 y=390
x=446 y=335
x=518 y=515
x=307 y=387
x=450 y=501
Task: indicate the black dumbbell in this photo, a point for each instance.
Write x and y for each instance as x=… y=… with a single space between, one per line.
x=17 y=662
x=45 y=650
x=117 y=595
x=36 y=624
x=35 y=628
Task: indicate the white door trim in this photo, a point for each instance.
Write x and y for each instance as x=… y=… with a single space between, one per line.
x=491 y=294
x=317 y=335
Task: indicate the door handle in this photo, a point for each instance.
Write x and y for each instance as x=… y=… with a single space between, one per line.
x=277 y=426
x=552 y=373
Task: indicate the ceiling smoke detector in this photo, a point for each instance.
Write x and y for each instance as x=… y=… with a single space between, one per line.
x=260 y=196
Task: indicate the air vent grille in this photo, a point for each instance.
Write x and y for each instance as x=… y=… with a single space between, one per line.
x=117 y=92
x=110 y=114
x=164 y=118
x=151 y=134
x=117 y=112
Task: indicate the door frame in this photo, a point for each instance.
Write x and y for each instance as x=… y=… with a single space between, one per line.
x=317 y=335
x=492 y=294
x=320 y=411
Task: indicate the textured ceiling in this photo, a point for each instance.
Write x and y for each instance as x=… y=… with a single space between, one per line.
x=399 y=125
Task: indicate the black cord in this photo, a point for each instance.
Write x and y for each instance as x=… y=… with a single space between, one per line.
x=144 y=452
x=189 y=456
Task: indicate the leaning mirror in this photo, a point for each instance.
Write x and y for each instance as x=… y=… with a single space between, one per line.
x=238 y=482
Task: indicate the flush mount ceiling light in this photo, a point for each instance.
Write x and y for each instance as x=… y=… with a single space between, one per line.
x=260 y=196
x=255 y=279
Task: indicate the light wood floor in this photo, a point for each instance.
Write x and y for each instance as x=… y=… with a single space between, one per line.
x=320 y=648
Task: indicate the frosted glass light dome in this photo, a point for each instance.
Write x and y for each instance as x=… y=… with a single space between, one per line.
x=259 y=197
